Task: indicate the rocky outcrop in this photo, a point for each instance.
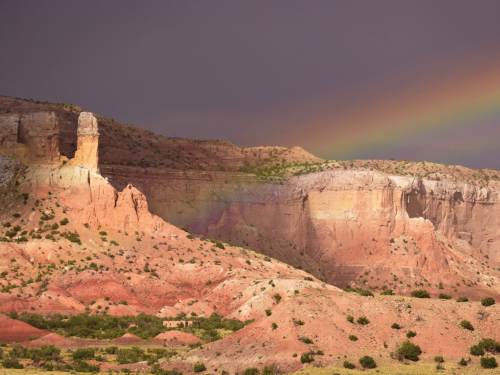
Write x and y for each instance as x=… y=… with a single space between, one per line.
x=39 y=132
x=337 y=224
x=34 y=137
x=88 y=142
x=88 y=196
x=9 y=127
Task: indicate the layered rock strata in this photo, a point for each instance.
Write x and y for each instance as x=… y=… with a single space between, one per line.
x=338 y=224
x=34 y=137
x=88 y=142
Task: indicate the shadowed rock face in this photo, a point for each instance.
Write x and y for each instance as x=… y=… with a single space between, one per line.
x=32 y=136
x=337 y=224
x=9 y=125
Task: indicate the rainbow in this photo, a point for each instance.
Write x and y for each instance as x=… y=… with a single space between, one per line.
x=453 y=119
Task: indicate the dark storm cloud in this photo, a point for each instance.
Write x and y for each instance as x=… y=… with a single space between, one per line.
x=210 y=69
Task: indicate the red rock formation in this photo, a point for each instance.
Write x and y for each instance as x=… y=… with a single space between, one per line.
x=88 y=142
x=127 y=339
x=15 y=331
x=176 y=338
x=51 y=339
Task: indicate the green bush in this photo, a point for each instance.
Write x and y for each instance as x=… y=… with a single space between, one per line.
x=199 y=367
x=395 y=326
x=411 y=334
x=277 y=297
x=12 y=363
x=488 y=301
x=420 y=293
x=308 y=279
x=365 y=293
x=444 y=296
x=306 y=340
x=409 y=351
x=363 y=320
x=251 y=371
x=476 y=350
x=489 y=345
x=350 y=318
x=270 y=370
x=462 y=362
x=353 y=338
x=367 y=362
x=320 y=352
x=268 y=312
x=462 y=299
x=306 y=358
x=349 y=365
x=84 y=353
x=387 y=292
x=490 y=362
x=467 y=325
x=439 y=359
x=274 y=326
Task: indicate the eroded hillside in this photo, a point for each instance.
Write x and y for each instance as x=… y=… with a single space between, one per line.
x=72 y=243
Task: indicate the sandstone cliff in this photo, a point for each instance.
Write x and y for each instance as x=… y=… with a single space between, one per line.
x=337 y=219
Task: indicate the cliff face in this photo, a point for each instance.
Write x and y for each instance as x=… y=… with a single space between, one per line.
x=337 y=224
x=34 y=137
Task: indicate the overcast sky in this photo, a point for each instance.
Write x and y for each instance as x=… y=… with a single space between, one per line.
x=237 y=70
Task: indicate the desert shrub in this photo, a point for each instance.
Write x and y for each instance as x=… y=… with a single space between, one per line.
x=306 y=358
x=420 y=293
x=271 y=370
x=274 y=326
x=387 y=292
x=462 y=362
x=395 y=326
x=409 y=351
x=488 y=301
x=306 y=340
x=111 y=349
x=462 y=299
x=199 y=367
x=365 y=293
x=439 y=359
x=82 y=366
x=320 y=352
x=308 y=278
x=363 y=320
x=489 y=345
x=349 y=365
x=490 y=362
x=467 y=325
x=350 y=318
x=64 y=221
x=84 y=353
x=268 y=312
x=367 y=362
x=251 y=371
x=476 y=350
x=411 y=334
x=353 y=338
x=12 y=363
x=277 y=297
x=444 y=296
x=196 y=345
